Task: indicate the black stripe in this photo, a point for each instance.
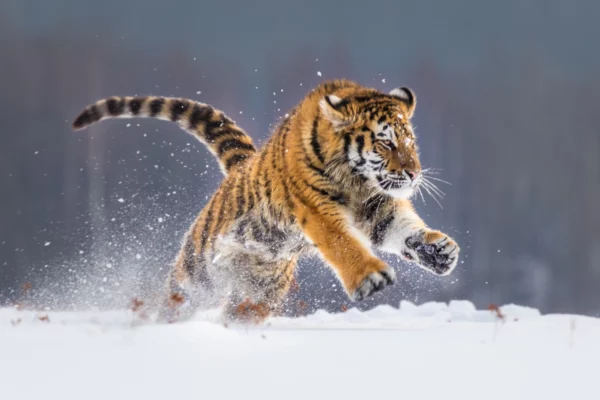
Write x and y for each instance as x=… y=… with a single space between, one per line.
x=234 y=160
x=220 y=123
x=330 y=86
x=298 y=194
x=347 y=141
x=318 y=170
x=241 y=228
x=188 y=250
x=374 y=96
x=337 y=106
x=282 y=163
x=189 y=259
x=95 y=114
x=360 y=146
x=207 y=224
x=231 y=144
x=314 y=140
x=250 y=197
x=115 y=106
x=266 y=177
x=213 y=132
x=88 y=116
x=156 y=106
x=381 y=182
x=335 y=197
x=135 y=105
x=199 y=114
x=338 y=198
x=257 y=184
x=220 y=221
x=268 y=190
x=409 y=94
x=362 y=99
x=380 y=229
x=215 y=129
x=241 y=199
x=178 y=107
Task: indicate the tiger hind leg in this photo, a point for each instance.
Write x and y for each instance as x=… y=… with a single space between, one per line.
x=187 y=288
x=177 y=302
x=260 y=293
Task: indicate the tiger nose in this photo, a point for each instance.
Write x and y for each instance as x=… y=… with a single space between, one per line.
x=412 y=174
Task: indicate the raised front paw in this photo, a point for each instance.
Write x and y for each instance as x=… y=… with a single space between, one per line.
x=434 y=250
x=374 y=282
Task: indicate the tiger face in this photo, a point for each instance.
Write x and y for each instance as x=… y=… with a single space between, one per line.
x=377 y=137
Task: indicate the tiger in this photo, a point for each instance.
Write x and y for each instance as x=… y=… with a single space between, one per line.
x=334 y=179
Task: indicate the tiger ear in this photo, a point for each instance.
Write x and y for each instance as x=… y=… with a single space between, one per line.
x=408 y=96
x=330 y=107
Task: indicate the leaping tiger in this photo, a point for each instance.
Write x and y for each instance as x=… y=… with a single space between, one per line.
x=335 y=178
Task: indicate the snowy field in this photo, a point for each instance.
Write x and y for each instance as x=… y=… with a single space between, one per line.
x=433 y=351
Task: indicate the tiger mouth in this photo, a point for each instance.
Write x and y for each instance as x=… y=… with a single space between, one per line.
x=393 y=183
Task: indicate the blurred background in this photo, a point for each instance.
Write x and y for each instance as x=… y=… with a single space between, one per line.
x=508 y=99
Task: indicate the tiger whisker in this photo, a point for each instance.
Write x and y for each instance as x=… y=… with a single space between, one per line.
x=421 y=194
x=433 y=187
x=432 y=169
x=376 y=191
x=438 y=179
x=378 y=205
x=432 y=196
x=432 y=192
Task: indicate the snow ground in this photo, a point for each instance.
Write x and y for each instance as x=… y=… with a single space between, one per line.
x=416 y=352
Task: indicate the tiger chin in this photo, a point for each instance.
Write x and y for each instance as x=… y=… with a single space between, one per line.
x=334 y=179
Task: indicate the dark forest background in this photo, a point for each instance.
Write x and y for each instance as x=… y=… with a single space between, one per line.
x=508 y=104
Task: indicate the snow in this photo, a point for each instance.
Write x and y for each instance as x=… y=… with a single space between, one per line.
x=435 y=350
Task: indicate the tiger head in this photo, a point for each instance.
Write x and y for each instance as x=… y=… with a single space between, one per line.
x=375 y=137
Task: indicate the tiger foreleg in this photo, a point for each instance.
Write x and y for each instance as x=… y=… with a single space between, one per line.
x=405 y=234
x=360 y=272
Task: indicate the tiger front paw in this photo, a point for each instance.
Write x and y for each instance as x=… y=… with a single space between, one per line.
x=374 y=282
x=434 y=251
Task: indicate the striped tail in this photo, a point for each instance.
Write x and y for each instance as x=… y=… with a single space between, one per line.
x=227 y=141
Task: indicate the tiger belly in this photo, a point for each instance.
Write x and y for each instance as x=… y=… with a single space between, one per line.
x=259 y=242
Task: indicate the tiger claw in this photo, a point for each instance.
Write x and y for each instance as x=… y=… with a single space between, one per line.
x=374 y=282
